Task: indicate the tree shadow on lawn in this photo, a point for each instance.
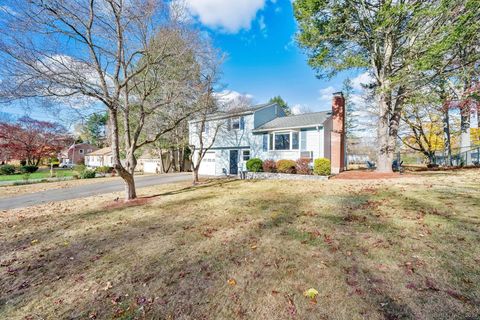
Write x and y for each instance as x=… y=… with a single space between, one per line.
x=61 y=270
x=421 y=286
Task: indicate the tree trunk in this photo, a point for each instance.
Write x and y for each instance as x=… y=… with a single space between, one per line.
x=465 y=129
x=446 y=132
x=385 y=152
x=126 y=175
x=130 y=190
x=195 y=175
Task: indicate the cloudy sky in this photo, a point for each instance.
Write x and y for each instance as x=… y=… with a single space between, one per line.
x=263 y=58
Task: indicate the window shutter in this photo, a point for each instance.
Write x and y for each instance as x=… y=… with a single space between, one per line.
x=303 y=140
x=229 y=124
x=242 y=123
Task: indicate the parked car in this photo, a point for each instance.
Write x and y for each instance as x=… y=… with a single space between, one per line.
x=65 y=165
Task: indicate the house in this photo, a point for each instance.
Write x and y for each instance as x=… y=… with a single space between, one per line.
x=265 y=132
x=99 y=158
x=75 y=154
x=160 y=161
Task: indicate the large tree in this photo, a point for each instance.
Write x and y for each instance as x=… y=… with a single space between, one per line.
x=32 y=140
x=392 y=39
x=110 y=52
x=94 y=129
x=282 y=103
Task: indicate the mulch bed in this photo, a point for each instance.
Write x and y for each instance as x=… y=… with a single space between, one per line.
x=369 y=175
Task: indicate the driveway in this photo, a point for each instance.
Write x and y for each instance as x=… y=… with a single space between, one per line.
x=88 y=190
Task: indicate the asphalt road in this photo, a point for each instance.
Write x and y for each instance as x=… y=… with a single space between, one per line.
x=87 y=190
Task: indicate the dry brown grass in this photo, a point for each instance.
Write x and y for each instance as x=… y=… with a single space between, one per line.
x=391 y=249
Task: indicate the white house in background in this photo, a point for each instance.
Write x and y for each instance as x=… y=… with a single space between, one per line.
x=265 y=132
x=99 y=158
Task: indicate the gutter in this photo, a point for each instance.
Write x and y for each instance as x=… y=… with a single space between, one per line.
x=314 y=126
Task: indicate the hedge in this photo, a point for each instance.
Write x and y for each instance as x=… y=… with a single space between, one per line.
x=7 y=169
x=322 y=167
x=286 y=166
x=28 y=169
x=254 y=165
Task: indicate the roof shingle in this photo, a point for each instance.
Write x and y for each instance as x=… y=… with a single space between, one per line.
x=296 y=121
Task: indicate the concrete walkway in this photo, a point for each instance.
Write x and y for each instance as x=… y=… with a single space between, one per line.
x=87 y=190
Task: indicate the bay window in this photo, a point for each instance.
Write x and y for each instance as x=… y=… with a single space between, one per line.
x=284 y=140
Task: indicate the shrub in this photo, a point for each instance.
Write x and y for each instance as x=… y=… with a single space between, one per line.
x=87 y=174
x=23 y=162
x=28 y=169
x=79 y=168
x=254 y=165
x=269 y=166
x=286 y=166
x=321 y=167
x=302 y=166
x=104 y=170
x=7 y=169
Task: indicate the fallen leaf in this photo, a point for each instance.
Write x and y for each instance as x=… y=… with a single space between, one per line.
x=232 y=282
x=107 y=286
x=34 y=241
x=311 y=293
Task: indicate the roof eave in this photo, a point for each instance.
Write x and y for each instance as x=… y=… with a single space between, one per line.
x=288 y=128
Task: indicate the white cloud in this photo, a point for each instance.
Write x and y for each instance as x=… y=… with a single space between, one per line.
x=227 y=96
x=228 y=16
x=262 y=26
x=326 y=94
x=362 y=79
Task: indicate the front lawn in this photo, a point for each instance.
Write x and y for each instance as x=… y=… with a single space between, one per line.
x=392 y=249
x=40 y=174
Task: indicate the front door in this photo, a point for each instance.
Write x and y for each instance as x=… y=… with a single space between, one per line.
x=233 y=162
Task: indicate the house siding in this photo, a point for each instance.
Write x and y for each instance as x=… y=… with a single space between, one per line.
x=245 y=139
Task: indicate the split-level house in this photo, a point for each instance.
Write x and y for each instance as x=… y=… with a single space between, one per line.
x=266 y=132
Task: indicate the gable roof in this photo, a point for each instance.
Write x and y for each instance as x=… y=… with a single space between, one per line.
x=101 y=152
x=296 y=121
x=236 y=112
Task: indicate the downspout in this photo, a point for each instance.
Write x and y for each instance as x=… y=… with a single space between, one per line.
x=318 y=133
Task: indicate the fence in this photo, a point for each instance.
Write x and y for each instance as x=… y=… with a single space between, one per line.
x=470 y=157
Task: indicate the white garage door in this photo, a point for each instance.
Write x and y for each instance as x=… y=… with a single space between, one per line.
x=150 y=166
x=207 y=167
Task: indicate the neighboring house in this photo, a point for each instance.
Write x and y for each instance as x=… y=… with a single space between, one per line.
x=151 y=162
x=99 y=158
x=76 y=153
x=265 y=132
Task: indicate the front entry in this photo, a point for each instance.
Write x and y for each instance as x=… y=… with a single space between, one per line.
x=233 y=162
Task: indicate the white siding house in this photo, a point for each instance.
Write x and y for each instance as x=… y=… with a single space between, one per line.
x=264 y=132
x=99 y=158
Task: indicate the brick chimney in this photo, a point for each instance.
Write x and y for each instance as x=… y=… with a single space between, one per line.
x=337 y=133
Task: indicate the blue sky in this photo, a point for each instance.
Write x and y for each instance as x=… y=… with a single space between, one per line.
x=263 y=58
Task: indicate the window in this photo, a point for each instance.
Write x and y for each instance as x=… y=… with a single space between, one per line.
x=282 y=141
x=80 y=151
x=235 y=123
x=294 y=140
x=265 y=142
x=205 y=127
x=246 y=155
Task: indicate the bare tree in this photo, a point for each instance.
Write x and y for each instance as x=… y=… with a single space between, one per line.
x=130 y=56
